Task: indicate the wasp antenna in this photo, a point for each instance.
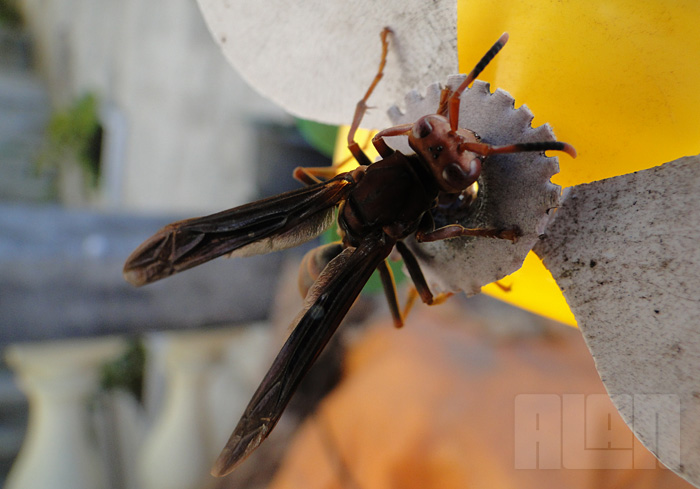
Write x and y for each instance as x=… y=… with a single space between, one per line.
x=453 y=101
x=548 y=146
x=568 y=149
x=487 y=149
x=484 y=61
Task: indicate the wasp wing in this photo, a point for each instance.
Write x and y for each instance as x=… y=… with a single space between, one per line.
x=326 y=304
x=271 y=224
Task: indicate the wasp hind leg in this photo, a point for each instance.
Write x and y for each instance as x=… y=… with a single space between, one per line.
x=389 y=285
x=421 y=288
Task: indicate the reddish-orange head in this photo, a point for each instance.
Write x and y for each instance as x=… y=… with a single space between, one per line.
x=454 y=167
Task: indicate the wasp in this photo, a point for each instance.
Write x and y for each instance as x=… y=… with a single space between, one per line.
x=380 y=204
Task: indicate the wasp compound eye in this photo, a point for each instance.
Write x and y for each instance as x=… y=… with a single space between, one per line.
x=456 y=176
x=422 y=128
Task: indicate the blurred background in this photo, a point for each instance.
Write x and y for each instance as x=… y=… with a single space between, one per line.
x=119 y=117
x=115 y=119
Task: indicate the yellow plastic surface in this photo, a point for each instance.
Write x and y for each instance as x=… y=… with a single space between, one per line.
x=620 y=80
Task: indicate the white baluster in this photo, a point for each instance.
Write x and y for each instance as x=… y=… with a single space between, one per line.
x=245 y=359
x=176 y=453
x=58 y=379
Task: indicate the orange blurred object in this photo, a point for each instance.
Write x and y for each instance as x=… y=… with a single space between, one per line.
x=437 y=404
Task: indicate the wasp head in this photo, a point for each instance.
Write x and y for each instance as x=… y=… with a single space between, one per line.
x=453 y=167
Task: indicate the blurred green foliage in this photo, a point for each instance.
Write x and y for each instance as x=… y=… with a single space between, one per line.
x=126 y=372
x=321 y=136
x=9 y=14
x=76 y=132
